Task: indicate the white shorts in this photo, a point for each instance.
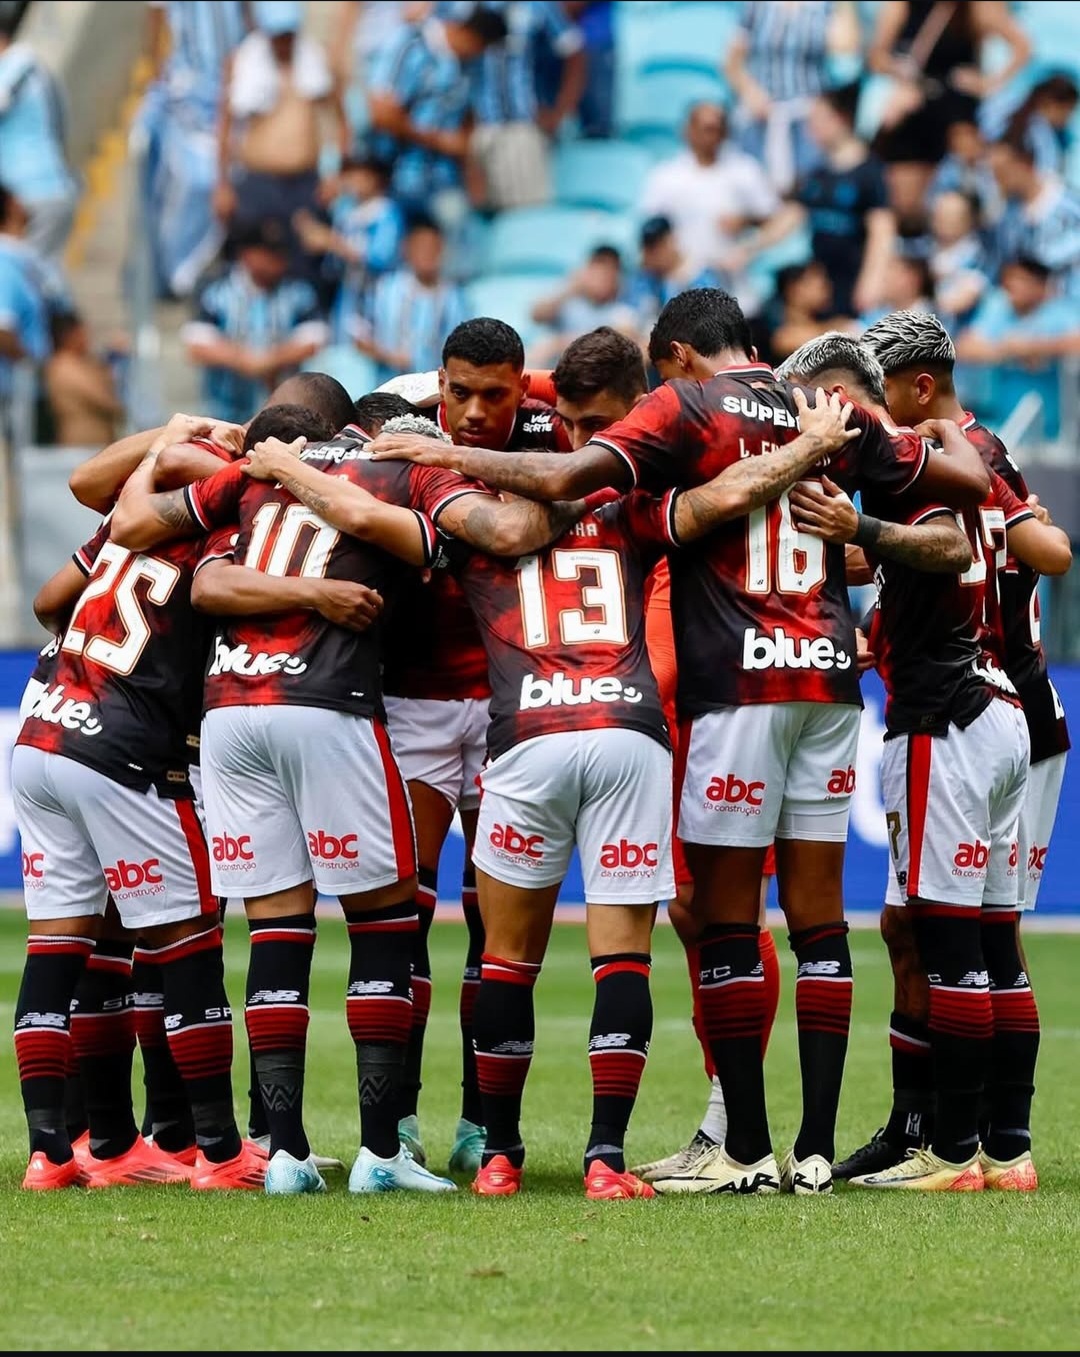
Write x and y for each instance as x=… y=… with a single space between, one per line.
x=608 y=791
x=296 y=794
x=952 y=808
x=85 y=837
x=773 y=770
x=1037 y=821
x=441 y=743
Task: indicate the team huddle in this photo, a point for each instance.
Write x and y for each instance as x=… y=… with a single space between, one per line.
x=576 y=614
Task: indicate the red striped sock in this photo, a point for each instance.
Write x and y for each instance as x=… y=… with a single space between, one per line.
x=823 y=989
x=504 y=1031
x=618 y=1046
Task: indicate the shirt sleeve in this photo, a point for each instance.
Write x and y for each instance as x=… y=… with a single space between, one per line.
x=875 y=193
x=308 y=323
x=1014 y=508
x=398 y=67
x=565 y=36
x=219 y=546
x=87 y=554
x=208 y=323
x=889 y=457
x=649 y=440
x=432 y=489
x=650 y=521
x=214 y=502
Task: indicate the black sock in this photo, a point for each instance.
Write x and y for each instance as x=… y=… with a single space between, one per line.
x=619 y=1038
x=504 y=1033
x=51 y=972
x=961 y=1026
x=258 y=1125
x=910 y=1122
x=379 y=1013
x=103 y=1039
x=1015 y=1050
x=168 y=1112
x=420 y=990
x=823 y=989
x=74 y=1100
x=472 y=1108
x=733 y=1006
x=276 y=1017
x=198 y=1023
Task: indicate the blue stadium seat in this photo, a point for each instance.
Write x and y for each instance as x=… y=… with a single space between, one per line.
x=793 y=249
x=354 y=370
x=510 y=297
x=680 y=35
x=603 y=174
x=553 y=239
x=659 y=101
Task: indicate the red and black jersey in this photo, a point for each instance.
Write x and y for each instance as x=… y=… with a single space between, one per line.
x=929 y=631
x=83 y=559
x=1024 y=658
x=300 y=658
x=760 y=610
x=124 y=692
x=433 y=647
x=564 y=629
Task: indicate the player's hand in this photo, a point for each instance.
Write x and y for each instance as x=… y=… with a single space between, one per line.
x=413 y=447
x=265 y=458
x=864 y=657
x=183 y=428
x=826 y=420
x=937 y=429
x=823 y=510
x=1041 y=512
x=347 y=604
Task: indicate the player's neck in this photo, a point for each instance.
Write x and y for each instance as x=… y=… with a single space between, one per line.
x=947 y=407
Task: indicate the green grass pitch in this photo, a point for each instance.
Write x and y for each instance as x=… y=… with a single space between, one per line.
x=159 y=1269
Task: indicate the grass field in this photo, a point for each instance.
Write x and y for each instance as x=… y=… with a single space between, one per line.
x=157 y=1269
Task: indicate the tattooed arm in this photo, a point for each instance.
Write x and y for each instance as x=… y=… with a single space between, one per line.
x=143 y=518
x=938 y=546
x=513 y=527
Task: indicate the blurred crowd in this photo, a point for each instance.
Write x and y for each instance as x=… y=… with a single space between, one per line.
x=313 y=199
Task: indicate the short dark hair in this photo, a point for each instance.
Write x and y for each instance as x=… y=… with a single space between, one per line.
x=488 y=24
x=8 y=199
x=1019 y=144
x=599 y=252
x=420 y=220
x=602 y=360
x=61 y=324
x=373 y=410
x=322 y=394
x=287 y=422
x=484 y=342
x=707 y=318
x=844 y=100
x=792 y=273
x=1029 y=264
x=366 y=160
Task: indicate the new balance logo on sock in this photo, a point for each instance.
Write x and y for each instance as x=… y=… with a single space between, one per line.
x=359 y=989
x=807 y=968
x=41 y=1020
x=513 y=1047
x=608 y=1041
x=274 y=996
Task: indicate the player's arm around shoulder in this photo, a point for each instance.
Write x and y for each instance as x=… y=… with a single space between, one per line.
x=509 y=526
x=1035 y=539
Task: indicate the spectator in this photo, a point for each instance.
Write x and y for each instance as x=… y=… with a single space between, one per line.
x=933 y=50
x=590 y=297
x=957 y=259
x=190 y=46
x=362 y=240
x=419 y=99
x=411 y=310
x=908 y=286
x=966 y=170
x=1045 y=119
x=1041 y=217
x=711 y=192
x=778 y=62
x=1023 y=330
x=255 y=325
x=277 y=84
x=852 y=229
x=364 y=28
x=84 y=403
x=596 y=108
x=24 y=311
x=509 y=148
x=33 y=162
x=662 y=272
x=806 y=308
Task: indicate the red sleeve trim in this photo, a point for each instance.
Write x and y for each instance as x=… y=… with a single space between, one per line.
x=925 y=514
x=427 y=528
x=83 y=561
x=668 y=509
x=194 y=508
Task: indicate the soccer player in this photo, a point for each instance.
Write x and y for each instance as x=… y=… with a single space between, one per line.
x=953 y=772
x=437 y=695
x=286 y=698
x=564 y=631
x=768 y=684
x=104 y=805
x=919 y=358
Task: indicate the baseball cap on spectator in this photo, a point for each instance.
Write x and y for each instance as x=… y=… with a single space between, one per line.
x=654 y=230
x=275 y=17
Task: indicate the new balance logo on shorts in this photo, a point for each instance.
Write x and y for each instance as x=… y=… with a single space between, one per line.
x=781 y=651
x=135 y=878
x=240 y=660
x=227 y=849
x=53 y=707
x=330 y=848
x=732 y=793
x=513 y=843
x=971 y=859
x=628 y=859
x=560 y=691
x=33 y=870
x=841 y=782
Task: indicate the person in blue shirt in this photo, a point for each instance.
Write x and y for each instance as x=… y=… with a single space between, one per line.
x=33 y=161
x=419 y=104
x=662 y=273
x=1041 y=217
x=411 y=310
x=1022 y=331
x=254 y=325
